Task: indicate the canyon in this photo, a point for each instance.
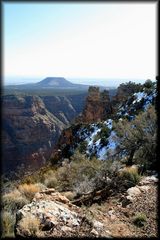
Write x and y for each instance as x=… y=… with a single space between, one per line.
x=34 y=127
x=31 y=126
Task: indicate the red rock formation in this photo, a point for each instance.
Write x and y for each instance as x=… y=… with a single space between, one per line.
x=98 y=106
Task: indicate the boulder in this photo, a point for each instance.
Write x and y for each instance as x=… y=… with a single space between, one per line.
x=133 y=191
x=148 y=180
x=51 y=214
x=143 y=187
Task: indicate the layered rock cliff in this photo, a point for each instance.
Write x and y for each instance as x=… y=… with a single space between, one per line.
x=31 y=126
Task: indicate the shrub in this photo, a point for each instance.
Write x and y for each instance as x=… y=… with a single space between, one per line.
x=104 y=141
x=13 y=200
x=130 y=176
x=63 y=177
x=70 y=195
x=7 y=224
x=103 y=135
x=38 y=176
x=140 y=219
x=51 y=182
x=74 y=173
x=139 y=143
x=31 y=179
x=30 y=224
x=29 y=190
x=105 y=131
x=148 y=84
x=106 y=174
x=82 y=147
x=84 y=186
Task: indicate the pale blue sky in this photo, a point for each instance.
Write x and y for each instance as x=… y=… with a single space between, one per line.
x=109 y=40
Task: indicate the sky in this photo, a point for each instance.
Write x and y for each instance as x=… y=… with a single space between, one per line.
x=79 y=40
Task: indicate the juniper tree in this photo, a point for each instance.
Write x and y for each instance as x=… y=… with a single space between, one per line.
x=138 y=138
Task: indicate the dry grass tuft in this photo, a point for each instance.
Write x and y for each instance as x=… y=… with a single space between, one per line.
x=13 y=200
x=29 y=190
x=51 y=182
x=7 y=224
x=31 y=225
x=131 y=175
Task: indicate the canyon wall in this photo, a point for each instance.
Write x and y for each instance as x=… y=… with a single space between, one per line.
x=31 y=126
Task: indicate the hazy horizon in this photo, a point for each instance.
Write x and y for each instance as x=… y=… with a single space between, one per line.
x=110 y=82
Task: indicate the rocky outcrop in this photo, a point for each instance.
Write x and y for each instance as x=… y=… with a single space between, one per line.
x=31 y=126
x=66 y=143
x=97 y=108
x=143 y=187
x=51 y=214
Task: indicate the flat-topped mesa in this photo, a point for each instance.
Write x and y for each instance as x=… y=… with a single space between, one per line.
x=97 y=108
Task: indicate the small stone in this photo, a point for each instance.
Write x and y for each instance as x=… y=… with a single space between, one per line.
x=113 y=217
x=66 y=229
x=106 y=234
x=126 y=212
x=133 y=191
x=97 y=225
x=148 y=180
x=111 y=212
x=144 y=188
x=126 y=201
x=94 y=232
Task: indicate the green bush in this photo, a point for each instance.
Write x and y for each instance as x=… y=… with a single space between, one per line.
x=51 y=182
x=140 y=219
x=105 y=131
x=148 y=84
x=79 y=170
x=103 y=135
x=104 y=141
x=139 y=143
x=83 y=147
x=130 y=176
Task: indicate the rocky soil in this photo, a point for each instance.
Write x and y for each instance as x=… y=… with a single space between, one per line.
x=51 y=214
x=58 y=217
x=118 y=213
